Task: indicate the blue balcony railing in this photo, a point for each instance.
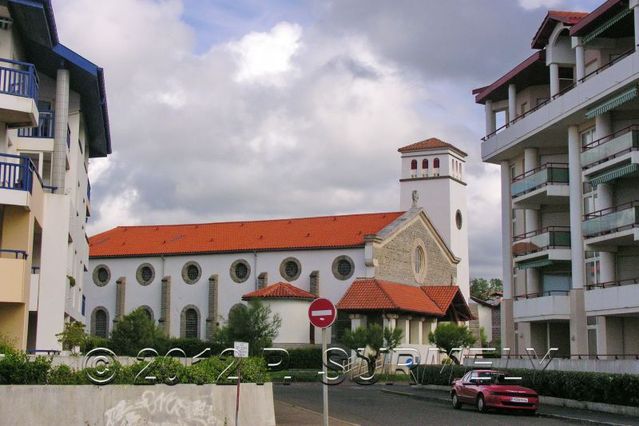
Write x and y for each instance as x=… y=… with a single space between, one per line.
x=549 y=173
x=547 y=238
x=44 y=129
x=16 y=172
x=18 y=79
x=614 y=219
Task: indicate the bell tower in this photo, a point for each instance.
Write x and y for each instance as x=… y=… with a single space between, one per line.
x=432 y=177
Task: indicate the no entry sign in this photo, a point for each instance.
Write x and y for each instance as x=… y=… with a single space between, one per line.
x=322 y=313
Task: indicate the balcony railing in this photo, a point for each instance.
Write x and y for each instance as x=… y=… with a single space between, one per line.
x=88 y=191
x=16 y=172
x=560 y=93
x=610 y=220
x=542 y=239
x=611 y=146
x=543 y=294
x=44 y=129
x=549 y=173
x=13 y=254
x=609 y=284
x=18 y=79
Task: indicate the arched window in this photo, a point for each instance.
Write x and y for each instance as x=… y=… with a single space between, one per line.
x=425 y=164
x=436 y=163
x=190 y=323
x=413 y=165
x=100 y=323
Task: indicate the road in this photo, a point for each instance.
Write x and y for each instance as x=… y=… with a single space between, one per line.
x=368 y=405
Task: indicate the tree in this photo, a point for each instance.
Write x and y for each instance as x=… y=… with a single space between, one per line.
x=450 y=335
x=134 y=332
x=254 y=324
x=72 y=336
x=482 y=288
x=374 y=338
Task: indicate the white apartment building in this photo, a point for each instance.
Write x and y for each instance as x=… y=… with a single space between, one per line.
x=563 y=127
x=53 y=118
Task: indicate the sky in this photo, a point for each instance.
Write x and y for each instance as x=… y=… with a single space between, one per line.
x=252 y=109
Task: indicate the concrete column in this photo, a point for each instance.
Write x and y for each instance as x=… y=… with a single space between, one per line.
x=390 y=321
x=315 y=283
x=420 y=332
x=531 y=162
x=59 y=156
x=524 y=335
x=602 y=336
x=603 y=125
x=580 y=59
x=512 y=102
x=120 y=298
x=554 y=79
x=407 y=330
x=356 y=321
x=491 y=123
x=262 y=280
x=578 y=329
x=635 y=10
x=211 y=321
x=165 y=305
x=507 y=321
x=606 y=259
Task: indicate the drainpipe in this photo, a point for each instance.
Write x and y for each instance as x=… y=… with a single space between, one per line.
x=257 y=284
x=59 y=157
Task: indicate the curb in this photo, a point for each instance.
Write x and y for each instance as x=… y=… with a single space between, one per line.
x=540 y=414
x=330 y=418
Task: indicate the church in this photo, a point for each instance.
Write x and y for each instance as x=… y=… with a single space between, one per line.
x=406 y=269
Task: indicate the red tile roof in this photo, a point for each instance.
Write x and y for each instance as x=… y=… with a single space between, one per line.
x=370 y=294
x=431 y=143
x=225 y=237
x=540 y=40
x=280 y=290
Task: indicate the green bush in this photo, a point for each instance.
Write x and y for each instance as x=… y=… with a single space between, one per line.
x=15 y=368
x=305 y=358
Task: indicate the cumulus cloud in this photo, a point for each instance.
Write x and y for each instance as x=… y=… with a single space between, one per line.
x=297 y=117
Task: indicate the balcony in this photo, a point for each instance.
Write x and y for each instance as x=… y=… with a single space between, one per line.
x=547 y=184
x=45 y=129
x=13 y=270
x=613 y=226
x=18 y=93
x=548 y=305
x=606 y=158
x=542 y=247
x=614 y=297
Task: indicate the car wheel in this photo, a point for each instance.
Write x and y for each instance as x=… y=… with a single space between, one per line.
x=456 y=402
x=481 y=404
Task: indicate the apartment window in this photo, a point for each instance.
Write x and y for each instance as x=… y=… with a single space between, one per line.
x=425 y=167
x=413 y=165
x=587 y=136
x=592 y=268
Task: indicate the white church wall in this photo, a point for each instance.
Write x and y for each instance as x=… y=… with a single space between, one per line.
x=230 y=292
x=294 y=314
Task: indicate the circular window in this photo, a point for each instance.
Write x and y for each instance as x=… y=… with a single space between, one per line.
x=290 y=268
x=418 y=260
x=343 y=267
x=240 y=271
x=101 y=275
x=191 y=272
x=458 y=219
x=145 y=274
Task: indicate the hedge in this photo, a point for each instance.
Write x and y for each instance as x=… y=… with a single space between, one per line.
x=162 y=345
x=305 y=358
x=17 y=369
x=620 y=389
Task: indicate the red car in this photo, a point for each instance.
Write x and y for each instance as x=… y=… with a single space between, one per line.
x=492 y=389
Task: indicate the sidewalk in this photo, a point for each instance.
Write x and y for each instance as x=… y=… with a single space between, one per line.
x=289 y=415
x=563 y=413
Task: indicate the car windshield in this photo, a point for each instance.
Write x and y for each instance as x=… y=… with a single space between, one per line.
x=497 y=378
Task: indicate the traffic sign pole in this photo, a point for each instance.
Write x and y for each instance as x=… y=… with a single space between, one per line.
x=325 y=372
x=322 y=313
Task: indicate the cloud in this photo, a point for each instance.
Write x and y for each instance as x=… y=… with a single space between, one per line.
x=266 y=57
x=535 y=4
x=294 y=118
